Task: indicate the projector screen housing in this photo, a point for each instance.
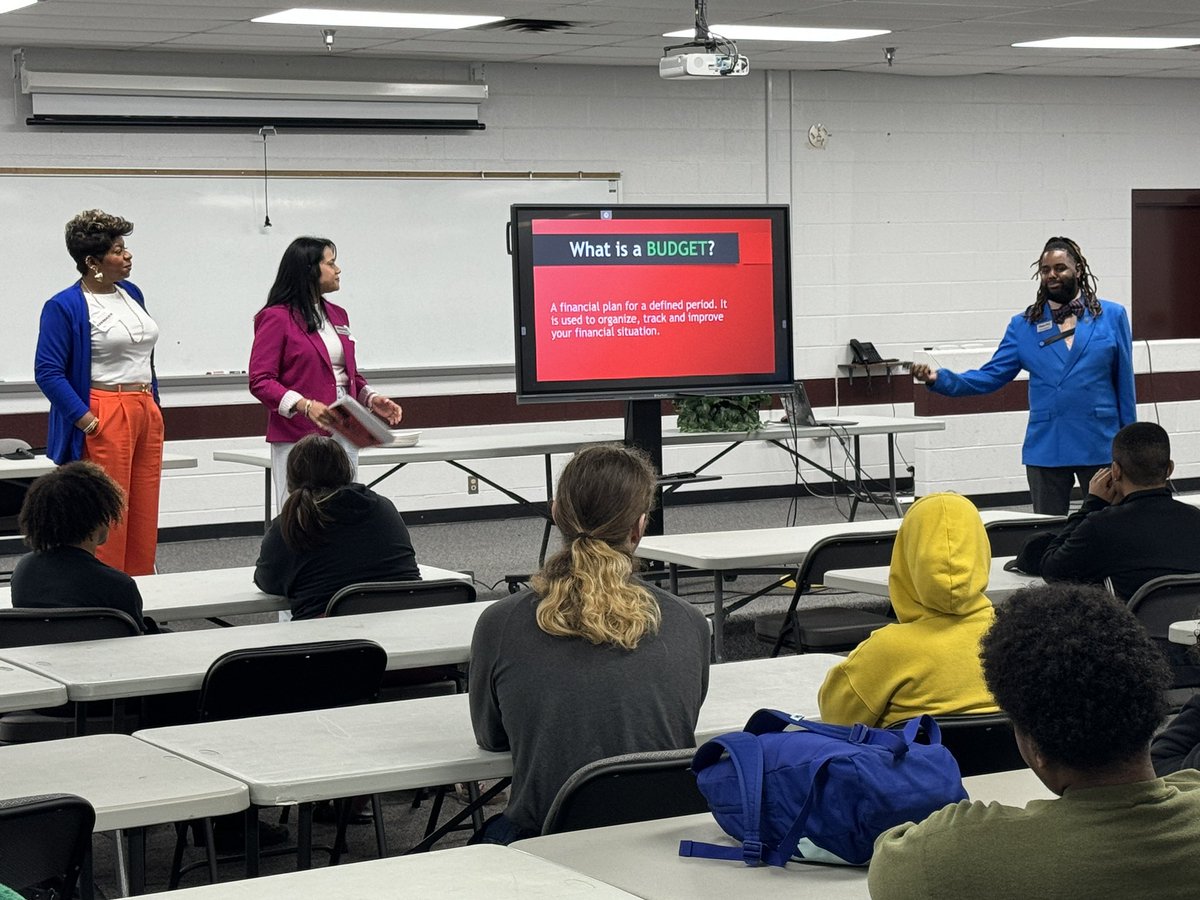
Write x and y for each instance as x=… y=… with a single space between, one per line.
x=643 y=301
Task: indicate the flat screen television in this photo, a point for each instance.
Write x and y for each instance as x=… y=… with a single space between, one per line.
x=639 y=302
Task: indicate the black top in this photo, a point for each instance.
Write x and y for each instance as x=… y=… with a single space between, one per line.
x=70 y=576
x=366 y=541
x=1146 y=535
x=1178 y=746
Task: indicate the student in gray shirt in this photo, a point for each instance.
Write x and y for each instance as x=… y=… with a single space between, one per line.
x=591 y=662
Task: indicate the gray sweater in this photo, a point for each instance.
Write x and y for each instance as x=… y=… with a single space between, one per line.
x=558 y=703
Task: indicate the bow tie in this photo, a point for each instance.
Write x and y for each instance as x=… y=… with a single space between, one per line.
x=1074 y=308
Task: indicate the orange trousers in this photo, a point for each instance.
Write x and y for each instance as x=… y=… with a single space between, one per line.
x=128 y=445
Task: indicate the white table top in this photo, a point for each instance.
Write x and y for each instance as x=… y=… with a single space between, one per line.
x=129 y=782
x=1014 y=788
x=874 y=580
x=1183 y=632
x=768 y=546
x=463 y=873
x=643 y=857
x=22 y=689
x=165 y=663
x=212 y=592
x=41 y=465
x=436 y=445
x=407 y=744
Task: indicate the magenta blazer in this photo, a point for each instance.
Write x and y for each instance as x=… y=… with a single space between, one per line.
x=285 y=358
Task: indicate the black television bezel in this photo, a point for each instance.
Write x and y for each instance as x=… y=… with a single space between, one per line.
x=530 y=390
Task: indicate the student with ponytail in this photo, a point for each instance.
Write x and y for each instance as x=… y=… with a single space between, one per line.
x=590 y=662
x=331 y=532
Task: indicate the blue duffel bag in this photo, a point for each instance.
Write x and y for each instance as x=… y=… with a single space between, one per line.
x=821 y=792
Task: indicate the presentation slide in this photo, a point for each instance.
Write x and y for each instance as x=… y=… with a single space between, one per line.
x=645 y=298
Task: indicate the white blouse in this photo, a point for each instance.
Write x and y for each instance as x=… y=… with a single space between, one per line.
x=123 y=337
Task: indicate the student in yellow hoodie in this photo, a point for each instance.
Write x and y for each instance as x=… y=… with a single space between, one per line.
x=928 y=662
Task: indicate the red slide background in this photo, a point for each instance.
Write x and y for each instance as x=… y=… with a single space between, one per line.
x=744 y=343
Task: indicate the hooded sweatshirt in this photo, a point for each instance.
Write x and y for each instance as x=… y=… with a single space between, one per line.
x=365 y=541
x=928 y=662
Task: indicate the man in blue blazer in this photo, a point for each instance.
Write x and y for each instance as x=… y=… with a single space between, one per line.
x=1078 y=351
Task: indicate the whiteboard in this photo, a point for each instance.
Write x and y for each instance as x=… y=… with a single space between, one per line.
x=426 y=277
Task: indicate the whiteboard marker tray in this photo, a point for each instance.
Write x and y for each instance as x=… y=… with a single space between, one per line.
x=405 y=438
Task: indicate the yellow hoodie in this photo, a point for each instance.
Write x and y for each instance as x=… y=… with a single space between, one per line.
x=929 y=661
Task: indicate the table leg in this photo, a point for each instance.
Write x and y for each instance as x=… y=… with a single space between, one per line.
x=122 y=863
x=304 y=836
x=268 y=491
x=251 y=826
x=892 y=473
x=137 y=861
x=673 y=578
x=858 y=481
x=718 y=617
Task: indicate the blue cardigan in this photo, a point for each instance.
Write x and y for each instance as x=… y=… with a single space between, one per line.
x=62 y=367
x=1079 y=398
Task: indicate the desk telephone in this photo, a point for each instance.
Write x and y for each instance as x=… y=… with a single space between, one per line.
x=864 y=353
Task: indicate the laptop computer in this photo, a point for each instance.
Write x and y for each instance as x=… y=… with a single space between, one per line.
x=800 y=411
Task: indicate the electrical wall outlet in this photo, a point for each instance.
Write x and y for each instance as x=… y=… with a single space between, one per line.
x=472 y=484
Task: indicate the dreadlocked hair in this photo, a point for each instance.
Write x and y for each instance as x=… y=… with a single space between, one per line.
x=317 y=468
x=63 y=508
x=1087 y=281
x=587 y=588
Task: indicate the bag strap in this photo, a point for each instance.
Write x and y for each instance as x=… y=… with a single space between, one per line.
x=769 y=721
x=746 y=755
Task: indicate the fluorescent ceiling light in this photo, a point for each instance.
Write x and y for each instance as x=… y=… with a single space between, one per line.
x=10 y=5
x=1112 y=43
x=773 y=33
x=371 y=19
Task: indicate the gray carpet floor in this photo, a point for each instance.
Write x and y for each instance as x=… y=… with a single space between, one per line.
x=490 y=550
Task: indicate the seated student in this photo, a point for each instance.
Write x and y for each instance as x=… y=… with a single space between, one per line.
x=928 y=662
x=1083 y=686
x=1130 y=528
x=331 y=533
x=591 y=662
x=65 y=517
x=1178 y=746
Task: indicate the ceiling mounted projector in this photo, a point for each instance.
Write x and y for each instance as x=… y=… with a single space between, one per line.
x=702 y=65
x=707 y=55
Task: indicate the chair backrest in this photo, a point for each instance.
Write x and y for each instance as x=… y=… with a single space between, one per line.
x=28 y=627
x=262 y=681
x=385 y=596
x=1008 y=536
x=981 y=742
x=43 y=841
x=845 y=551
x=1158 y=603
x=635 y=787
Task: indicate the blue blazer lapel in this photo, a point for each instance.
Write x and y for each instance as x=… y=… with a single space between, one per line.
x=1085 y=327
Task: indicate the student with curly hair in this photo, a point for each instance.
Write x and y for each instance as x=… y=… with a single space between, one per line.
x=332 y=532
x=590 y=662
x=1083 y=685
x=66 y=516
x=95 y=364
x=1078 y=351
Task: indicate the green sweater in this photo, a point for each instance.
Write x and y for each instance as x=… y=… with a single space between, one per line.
x=1132 y=840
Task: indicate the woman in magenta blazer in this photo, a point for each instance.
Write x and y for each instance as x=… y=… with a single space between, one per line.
x=303 y=355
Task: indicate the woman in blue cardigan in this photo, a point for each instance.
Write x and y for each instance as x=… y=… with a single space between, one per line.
x=1078 y=351
x=95 y=364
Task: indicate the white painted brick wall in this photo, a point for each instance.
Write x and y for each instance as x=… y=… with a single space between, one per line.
x=914 y=228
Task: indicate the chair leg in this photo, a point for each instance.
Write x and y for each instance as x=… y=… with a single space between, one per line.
x=380 y=832
x=339 y=838
x=789 y=617
x=435 y=812
x=210 y=844
x=122 y=863
x=473 y=796
x=181 y=829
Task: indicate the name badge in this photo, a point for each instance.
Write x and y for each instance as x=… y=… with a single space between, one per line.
x=342 y=329
x=1044 y=326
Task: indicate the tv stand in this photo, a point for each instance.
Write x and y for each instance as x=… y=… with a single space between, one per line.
x=643 y=428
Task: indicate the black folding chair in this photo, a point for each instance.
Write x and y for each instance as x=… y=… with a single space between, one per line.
x=981 y=742
x=635 y=787
x=44 y=842
x=30 y=627
x=263 y=681
x=1158 y=603
x=1008 y=536
x=829 y=628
